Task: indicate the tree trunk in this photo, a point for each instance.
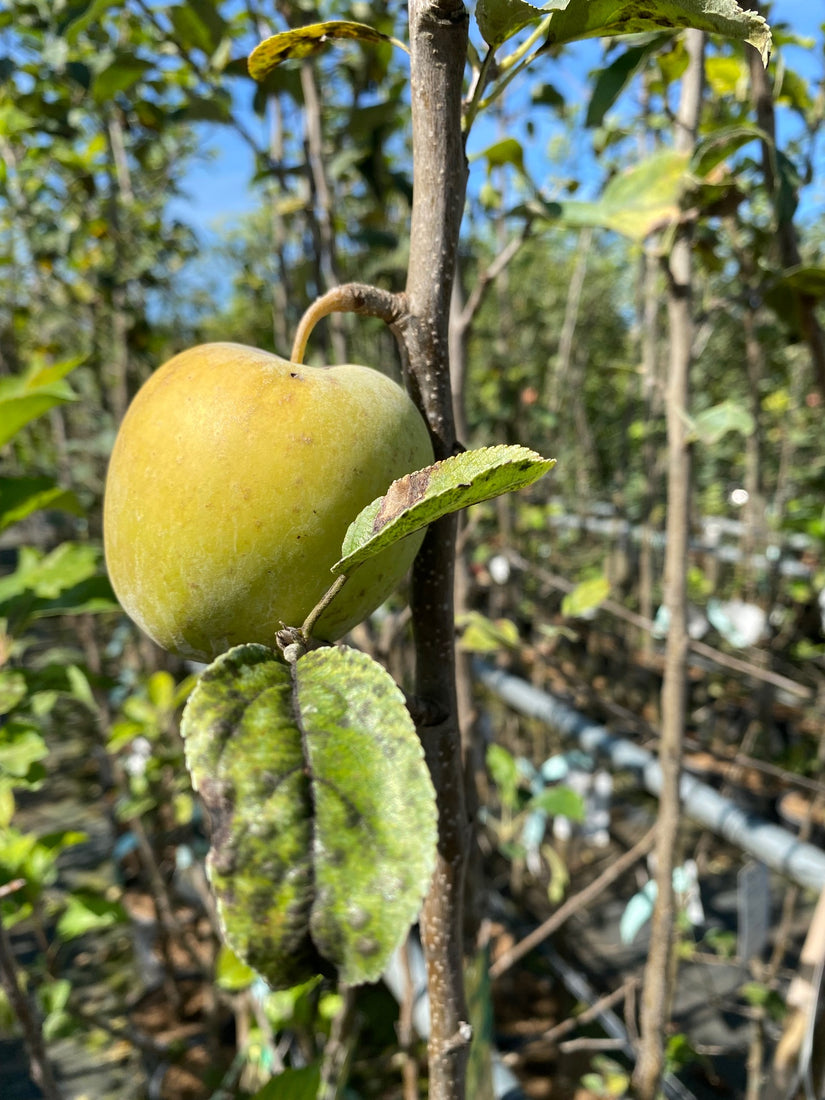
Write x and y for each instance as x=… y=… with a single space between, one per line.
x=438 y=49
x=658 y=979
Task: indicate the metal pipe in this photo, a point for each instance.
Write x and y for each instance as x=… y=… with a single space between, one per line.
x=776 y=847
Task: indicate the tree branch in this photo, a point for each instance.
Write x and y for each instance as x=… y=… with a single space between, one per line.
x=438 y=50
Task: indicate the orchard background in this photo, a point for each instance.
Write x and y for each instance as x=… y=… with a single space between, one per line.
x=594 y=173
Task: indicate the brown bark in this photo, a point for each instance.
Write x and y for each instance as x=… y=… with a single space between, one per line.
x=438 y=48
x=659 y=977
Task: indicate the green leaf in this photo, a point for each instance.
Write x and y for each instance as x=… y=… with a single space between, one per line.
x=614 y=78
x=88 y=912
x=806 y=279
x=231 y=973
x=47 y=575
x=86 y=17
x=503 y=769
x=482 y=635
x=571 y=20
x=559 y=802
x=21 y=745
x=419 y=498
x=198 y=24
x=727 y=76
x=499 y=20
x=292 y=1084
x=585 y=597
x=636 y=202
x=13 y=689
x=304 y=42
x=714 y=148
x=119 y=76
x=20 y=496
x=575 y=19
x=26 y=396
x=322 y=809
x=7 y=804
x=506 y=151
x=710 y=425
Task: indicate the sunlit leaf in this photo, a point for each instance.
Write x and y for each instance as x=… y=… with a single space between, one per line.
x=506 y=151
x=611 y=81
x=499 y=20
x=482 y=635
x=419 y=498
x=560 y=802
x=87 y=912
x=571 y=20
x=585 y=597
x=710 y=425
x=295 y=45
x=27 y=396
x=231 y=973
x=20 y=496
x=292 y=1084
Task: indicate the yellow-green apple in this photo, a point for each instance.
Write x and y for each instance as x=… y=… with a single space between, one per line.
x=231 y=484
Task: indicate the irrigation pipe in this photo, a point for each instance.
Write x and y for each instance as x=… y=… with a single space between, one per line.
x=776 y=847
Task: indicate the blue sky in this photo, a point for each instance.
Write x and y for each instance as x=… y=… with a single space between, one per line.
x=217 y=188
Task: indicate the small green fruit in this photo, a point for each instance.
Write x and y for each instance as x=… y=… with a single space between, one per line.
x=231 y=485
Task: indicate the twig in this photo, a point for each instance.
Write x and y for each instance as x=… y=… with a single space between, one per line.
x=592 y=1013
x=573 y=905
x=41 y=1069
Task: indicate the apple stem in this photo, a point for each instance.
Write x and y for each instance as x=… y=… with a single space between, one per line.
x=322 y=605
x=369 y=301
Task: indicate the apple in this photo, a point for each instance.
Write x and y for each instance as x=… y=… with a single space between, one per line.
x=232 y=482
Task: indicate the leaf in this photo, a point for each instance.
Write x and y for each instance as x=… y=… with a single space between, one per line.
x=13 y=689
x=559 y=802
x=419 y=498
x=120 y=76
x=585 y=597
x=26 y=396
x=47 y=575
x=21 y=745
x=575 y=19
x=571 y=20
x=86 y=17
x=710 y=425
x=323 y=812
x=714 y=148
x=613 y=79
x=198 y=24
x=482 y=635
x=806 y=279
x=88 y=912
x=303 y=42
x=636 y=202
x=20 y=496
x=503 y=769
x=506 y=151
x=499 y=20
x=231 y=973
x=292 y=1084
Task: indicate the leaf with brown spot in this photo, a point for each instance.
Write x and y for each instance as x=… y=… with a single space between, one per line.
x=420 y=498
x=295 y=45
